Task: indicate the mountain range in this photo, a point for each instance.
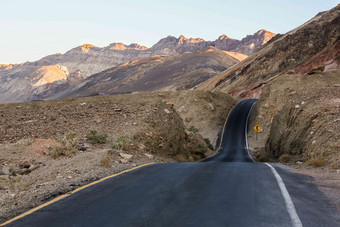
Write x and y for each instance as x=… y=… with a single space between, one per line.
x=55 y=73
x=310 y=48
x=156 y=73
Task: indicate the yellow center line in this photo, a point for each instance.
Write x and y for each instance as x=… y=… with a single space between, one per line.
x=70 y=193
x=225 y=123
x=103 y=179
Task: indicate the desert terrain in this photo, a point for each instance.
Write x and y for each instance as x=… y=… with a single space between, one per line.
x=48 y=148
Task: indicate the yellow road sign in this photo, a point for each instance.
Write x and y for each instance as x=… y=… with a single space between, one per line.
x=257 y=128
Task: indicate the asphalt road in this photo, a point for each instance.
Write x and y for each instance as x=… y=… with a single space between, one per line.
x=228 y=189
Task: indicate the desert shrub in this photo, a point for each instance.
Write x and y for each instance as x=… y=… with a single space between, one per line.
x=25 y=142
x=207 y=140
x=121 y=142
x=193 y=129
x=263 y=158
x=335 y=164
x=285 y=158
x=181 y=157
x=96 y=138
x=106 y=162
x=65 y=146
x=316 y=162
x=201 y=146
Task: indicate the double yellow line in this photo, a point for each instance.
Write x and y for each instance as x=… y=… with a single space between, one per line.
x=70 y=193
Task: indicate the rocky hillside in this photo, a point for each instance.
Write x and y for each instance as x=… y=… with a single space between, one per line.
x=175 y=72
x=17 y=82
x=46 y=150
x=312 y=47
x=299 y=116
x=42 y=82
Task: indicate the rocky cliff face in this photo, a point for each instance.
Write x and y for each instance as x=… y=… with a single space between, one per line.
x=313 y=47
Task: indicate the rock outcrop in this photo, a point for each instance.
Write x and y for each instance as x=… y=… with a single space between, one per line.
x=49 y=74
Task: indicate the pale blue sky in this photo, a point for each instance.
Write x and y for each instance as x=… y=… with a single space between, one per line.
x=32 y=29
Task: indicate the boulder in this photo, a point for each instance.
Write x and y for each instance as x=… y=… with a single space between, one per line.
x=125 y=156
x=167 y=111
x=6 y=170
x=150 y=156
x=171 y=104
x=124 y=161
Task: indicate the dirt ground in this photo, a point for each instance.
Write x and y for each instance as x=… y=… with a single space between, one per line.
x=45 y=150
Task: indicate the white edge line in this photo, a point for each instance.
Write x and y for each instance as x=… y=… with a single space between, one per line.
x=296 y=222
x=246 y=132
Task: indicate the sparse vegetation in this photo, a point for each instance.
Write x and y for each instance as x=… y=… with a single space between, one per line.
x=207 y=140
x=65 y=146
x=193 y=129
x=96 y=138
x=181 y=157
x=106 y=162
x=285 y=158
x=122 y=142
x=335 y=164
x=316 y=162
x=201 y=146
x=263 y=158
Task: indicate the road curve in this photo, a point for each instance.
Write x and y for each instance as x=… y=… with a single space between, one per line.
x=228 y=189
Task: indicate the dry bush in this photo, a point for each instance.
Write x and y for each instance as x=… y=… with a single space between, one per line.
x=96 y=138
x=181 y=157
x=207 y=140
x=316 y=162
x=285 y=158
x=106 y=162
x=335 y=164
x=192 y=129
x=263 y=158
x=122 y=142
x=65 y=146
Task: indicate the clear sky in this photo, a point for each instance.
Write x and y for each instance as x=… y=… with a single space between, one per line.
x=32 y=29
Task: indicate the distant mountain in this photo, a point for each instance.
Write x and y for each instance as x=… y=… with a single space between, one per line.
x=247 y=45
x=5 y=67
x=312 y=47
x=175 y=72
x=18 y=82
